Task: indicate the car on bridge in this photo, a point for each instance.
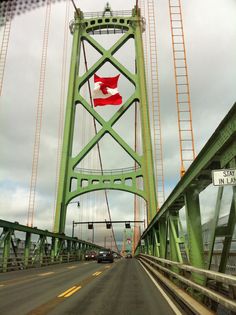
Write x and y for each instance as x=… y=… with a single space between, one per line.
x=105 y=255
x=90 y=255
x=128 y=255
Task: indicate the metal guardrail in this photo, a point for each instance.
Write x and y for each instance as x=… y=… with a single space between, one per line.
x=37 y=248
x=106 y=172
x=215 y=154
x=18 y=263
x=114 y=13
x=154 y=263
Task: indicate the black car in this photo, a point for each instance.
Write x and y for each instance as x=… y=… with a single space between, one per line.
x=129 y=255
x=105 y=255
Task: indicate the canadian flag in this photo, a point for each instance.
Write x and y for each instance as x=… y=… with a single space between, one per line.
x=105 y=91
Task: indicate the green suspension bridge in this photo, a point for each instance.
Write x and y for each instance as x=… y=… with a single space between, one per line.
x=182 y=263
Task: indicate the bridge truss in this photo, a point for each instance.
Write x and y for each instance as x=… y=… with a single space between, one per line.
x=165 y=237
x=175 y=250
x=73 y=183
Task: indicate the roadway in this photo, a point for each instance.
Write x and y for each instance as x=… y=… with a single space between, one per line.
x=83 y=288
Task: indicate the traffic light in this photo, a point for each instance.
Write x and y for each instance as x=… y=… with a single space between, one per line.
x=108 y=225
x=90 y=226
x=127 y=225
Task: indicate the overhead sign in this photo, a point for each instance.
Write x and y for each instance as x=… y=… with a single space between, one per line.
x=224 y=177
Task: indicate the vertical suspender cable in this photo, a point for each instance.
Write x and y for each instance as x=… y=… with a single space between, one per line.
x=39 y=114
x=155 y=103
x=186 y=140
x=62 y=100
x=144 y=36
x=4 y=46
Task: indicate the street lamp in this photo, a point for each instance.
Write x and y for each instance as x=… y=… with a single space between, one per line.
x=78 y=203
x=73 y=222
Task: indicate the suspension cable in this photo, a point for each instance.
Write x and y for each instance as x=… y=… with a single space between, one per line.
x=33 y=182
x=62 y=102
x=4 y=46
x=155 y=103
x=184 y=111
x=98 y=146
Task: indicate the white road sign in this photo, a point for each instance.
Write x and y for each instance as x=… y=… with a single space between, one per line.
x=224 y=177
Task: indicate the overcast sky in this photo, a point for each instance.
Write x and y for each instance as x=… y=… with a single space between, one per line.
x=210 y=36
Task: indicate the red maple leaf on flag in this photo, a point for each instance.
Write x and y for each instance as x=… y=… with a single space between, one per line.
x=105 y=91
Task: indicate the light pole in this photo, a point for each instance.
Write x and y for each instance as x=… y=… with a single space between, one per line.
x=73 y=228
x=73 y=222
x=93 y=235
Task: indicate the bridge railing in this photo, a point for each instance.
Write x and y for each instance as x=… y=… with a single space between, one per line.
x=18 y=263
x=101 y=14
x=218 y=292
x=106 y=172
x=166 y=237
x=37 y=247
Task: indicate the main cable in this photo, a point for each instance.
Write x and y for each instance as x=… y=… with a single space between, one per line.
x=39 y=116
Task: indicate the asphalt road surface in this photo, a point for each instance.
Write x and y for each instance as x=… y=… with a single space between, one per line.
x=83 y=288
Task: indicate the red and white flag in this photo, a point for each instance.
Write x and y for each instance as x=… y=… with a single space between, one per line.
x=105 y=91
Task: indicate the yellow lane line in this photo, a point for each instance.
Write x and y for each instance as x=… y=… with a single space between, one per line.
x=46 y=273
x=73 y=291
x=67 y=291
x=97 y=273
x=107 y=267
x=51 y=304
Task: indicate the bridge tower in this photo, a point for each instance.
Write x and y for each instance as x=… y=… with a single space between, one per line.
x=73 y=183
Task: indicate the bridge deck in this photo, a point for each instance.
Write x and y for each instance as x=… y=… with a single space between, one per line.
x=119 y=288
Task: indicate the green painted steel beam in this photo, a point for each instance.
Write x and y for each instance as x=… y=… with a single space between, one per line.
x=209 y=158
x=82 y=31
x=27 y=249
x=156 y=243
x=106 y=128
x=194 y=232
x=162 y=230
x=175 y=252
x=23 y=228
x=6 y=248
x=213 y=225
x=219 y=152
x=228 y=233
x=113 y=182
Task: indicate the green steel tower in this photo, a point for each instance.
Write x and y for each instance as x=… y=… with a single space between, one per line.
x=131 y=26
